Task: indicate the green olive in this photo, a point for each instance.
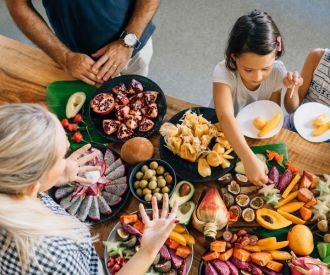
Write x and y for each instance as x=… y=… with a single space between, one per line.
x=148 y=197
x=143 y=183
x=153 y=178
x=136 y=184
x=144 y=168
x=165 y=190
x=148 y=174
x=160 y=177
x=161 y=183
x=153 y=165
x=160 y=170
x=146 y=191
x=166 y=173
x=157 y=190
x=152 y=185
x=169 y=178
x=139 y=175
x=158 y=196
x=139 y=192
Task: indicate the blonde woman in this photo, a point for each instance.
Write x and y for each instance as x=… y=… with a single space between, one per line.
x=36 y=235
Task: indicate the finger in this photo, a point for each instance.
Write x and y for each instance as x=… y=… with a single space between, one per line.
x=113 y=74
x=105 y=68
x=174 y=211
x=144 y=216
x=100 y=52
x=289 y=75
x=87 y=80
x=264 y=180
x=99 y=63
x=89 y=61
x=76 y=154
x=296 y=77
x=81 y=161
x=155 y=211
x=83 y=181
x=165 y=206
x=84 y=169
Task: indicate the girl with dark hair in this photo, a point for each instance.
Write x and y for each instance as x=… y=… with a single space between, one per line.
x=250 y=72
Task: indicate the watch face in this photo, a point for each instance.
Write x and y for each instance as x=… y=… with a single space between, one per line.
x=130 y=39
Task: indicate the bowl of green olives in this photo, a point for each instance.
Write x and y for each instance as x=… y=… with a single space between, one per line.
x=153 y=177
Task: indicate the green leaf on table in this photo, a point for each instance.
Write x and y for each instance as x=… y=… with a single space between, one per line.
x=57 y=95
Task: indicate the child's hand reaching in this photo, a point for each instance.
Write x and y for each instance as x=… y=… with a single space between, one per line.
x=256 y=171
x=157 y=229
x=293 y=80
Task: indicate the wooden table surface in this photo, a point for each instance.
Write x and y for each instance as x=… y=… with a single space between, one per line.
x=25 y=73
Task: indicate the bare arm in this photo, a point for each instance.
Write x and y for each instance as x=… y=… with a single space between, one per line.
x=311 y=62
x=36 y=29
x=255 y=170
x=115 y=56
x=276 y=97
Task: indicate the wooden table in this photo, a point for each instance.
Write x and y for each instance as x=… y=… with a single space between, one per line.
x=25 y=73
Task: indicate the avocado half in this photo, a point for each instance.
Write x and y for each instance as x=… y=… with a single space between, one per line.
x=176 y=193
x=74 y=104
x=185 y=212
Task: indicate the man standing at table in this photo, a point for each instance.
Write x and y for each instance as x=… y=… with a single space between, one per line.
x=94 y=40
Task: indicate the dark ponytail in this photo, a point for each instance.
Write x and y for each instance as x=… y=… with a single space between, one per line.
x=255 y=32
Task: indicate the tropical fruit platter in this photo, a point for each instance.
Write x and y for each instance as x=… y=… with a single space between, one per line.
x=226 y=224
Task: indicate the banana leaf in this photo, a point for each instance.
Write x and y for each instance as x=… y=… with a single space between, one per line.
x=58 y=93
x=279 y=148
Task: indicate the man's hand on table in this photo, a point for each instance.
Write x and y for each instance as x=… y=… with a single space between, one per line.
x=112 y=58
x=80 y=66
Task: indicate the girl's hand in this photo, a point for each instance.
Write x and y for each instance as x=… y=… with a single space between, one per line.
x=75 y=166
x=256 y=171
x=293 y=80
x=157 y=229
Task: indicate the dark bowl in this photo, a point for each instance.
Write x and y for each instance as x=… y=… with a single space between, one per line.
x=188 y=170
x=148 y=85
x=168 y=168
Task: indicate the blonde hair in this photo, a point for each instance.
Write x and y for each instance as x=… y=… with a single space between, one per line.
x=28 y=151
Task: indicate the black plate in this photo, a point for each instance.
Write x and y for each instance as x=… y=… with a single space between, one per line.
x=115 y=209
x=148 y=85
x=186 y=169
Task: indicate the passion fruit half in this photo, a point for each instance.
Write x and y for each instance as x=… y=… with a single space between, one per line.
x=236 y=210
x=248 y=215
x=225 y=179
x=233 y=187
x=242 y=200
x=228 y=199
x=242 y=178
x=256 y=203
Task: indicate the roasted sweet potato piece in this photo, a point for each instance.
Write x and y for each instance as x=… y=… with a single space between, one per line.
x=305 y=195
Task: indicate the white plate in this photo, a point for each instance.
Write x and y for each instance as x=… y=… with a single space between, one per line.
x=112 y=237
x=303 y=118
x=264 y=108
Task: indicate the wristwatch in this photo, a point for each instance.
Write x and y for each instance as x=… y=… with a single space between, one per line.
x=130 y=40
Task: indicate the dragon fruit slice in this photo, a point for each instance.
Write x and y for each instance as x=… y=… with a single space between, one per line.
x=63 y=191
x=84 y=208
x=109 y=157
x=104 y=180
x=119 y=172
x=94 y=212
x=114 y=166
x=116 y=189
x=73 y=208
x=67 y=201
x=103 y=206
x=121 y=180
x=111 y=199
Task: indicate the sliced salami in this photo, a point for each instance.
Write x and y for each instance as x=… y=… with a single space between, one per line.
x=73 y=208
x=109 y=157
x=116 y=189
x=117 y=173
x=94 y=212
x=114 y=166
x=68 y=201
x=63 y=191
x=103 y=206
x=84 y=208
x=111 y=199
x=121 y=180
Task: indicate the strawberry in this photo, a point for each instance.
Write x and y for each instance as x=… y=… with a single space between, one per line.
x=77 y=137
x=72 y=127
x=65 y=123
x=78 y=118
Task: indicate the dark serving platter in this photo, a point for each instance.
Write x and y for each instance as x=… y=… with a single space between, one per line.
x=115 y=209
x=186 y=169
x=148 y=85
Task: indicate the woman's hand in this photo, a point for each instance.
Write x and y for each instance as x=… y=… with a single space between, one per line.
x=157 y=229
x=293 y=80
x=75 y=166
x=256 y=170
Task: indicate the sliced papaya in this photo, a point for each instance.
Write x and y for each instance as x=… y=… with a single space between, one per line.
x=270 y=219
x=291 y=217
x=275 y=266
x=280 y=255
x=226 y=256
x=270 y=240
x=252 y=248
x=261 y=258
x=292 y=206
x=276 y=246
x=289 y=198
